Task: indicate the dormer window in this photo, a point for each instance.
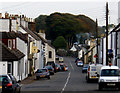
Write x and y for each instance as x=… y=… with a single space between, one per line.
x=10 y=44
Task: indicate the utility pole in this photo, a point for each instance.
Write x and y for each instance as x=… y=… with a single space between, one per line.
x=107 y=33
x=97 y=41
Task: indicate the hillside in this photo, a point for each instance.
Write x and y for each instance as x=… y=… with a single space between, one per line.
x=66 y=25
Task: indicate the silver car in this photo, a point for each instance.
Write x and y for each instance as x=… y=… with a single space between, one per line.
x=42 y=73
x=79 y=64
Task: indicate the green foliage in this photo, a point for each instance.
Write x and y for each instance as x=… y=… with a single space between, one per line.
x=66 y=25
x=60 y=43
x=40 y=23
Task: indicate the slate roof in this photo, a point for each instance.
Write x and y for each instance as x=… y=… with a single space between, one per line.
x=13 y=35
x=31 y=33
x=9 y=55
x=6 y=35
x=36 y=36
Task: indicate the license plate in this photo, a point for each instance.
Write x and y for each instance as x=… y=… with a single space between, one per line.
x=111 y=84
x=42 y=76
x=93 y=76
x=0 y=86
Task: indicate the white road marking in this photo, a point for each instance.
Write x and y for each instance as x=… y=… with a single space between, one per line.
x=72 y=66
x=66 y=82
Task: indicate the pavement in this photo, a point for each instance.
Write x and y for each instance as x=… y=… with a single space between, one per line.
x=28 y=80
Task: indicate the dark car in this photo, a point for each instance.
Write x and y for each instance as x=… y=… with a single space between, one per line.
x=57 y=67
x=85 y=68
x=42 y=73
x=9 y=84
x=52 y=63
x=77 y=59
x=64 y=67
x=50 y=69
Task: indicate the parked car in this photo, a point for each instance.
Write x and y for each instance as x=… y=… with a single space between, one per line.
x=77 y=59
x=61 y=60
x=52 y=63
x=79 y=63
x=50 y=69
x=64 y=67
x=85 y=68
x=92 y=70
x=109 y=77
x=57 y=67
x=9 y=84
x=42 y=73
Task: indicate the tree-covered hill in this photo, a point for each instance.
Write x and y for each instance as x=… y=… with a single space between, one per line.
x=66 y=25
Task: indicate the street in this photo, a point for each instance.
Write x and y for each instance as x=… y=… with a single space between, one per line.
x=70 y=81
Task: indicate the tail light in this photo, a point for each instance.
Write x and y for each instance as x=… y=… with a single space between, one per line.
x=88 y=70
x=9 y=84
x=56 y=68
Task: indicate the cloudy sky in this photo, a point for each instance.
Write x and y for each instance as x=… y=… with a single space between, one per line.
x=92 y=8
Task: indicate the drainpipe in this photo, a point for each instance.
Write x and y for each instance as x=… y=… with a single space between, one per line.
x=10 y=24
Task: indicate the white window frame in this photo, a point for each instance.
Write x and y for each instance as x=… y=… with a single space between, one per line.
x=9 y=63
x=13 y=43
x=9 y=41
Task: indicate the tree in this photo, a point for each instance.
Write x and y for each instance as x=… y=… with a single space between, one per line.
x=60 y=43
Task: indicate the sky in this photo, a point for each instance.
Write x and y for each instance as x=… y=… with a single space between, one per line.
x=91 y=8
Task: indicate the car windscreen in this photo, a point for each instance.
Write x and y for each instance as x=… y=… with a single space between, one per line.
x=3 y=78
x=110 y=72
x=48 y=67
x=41 y=70
x=93 y=68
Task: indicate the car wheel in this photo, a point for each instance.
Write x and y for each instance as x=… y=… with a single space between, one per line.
x=88 y=80
x=37 y=78
x=100 y=88
x=48 y=77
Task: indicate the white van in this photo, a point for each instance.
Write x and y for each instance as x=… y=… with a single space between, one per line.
x=109 y=77
x=92 y=72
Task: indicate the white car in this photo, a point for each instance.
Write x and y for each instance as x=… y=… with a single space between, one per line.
x=79 y=63
x=109 y=77
x=92 y=72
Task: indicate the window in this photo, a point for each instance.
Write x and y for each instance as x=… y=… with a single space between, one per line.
x=9 y=67
x=13 y=43
x=10 y=44
x=50 y=54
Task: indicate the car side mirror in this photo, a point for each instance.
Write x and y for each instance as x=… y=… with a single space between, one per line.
x=98 y=75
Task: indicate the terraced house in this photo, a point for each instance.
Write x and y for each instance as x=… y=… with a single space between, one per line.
x=27 y=48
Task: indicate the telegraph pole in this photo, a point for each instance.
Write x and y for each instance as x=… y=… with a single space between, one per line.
x=97 y=41
x=107 y=33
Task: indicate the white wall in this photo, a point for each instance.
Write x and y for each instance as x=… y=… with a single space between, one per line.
x=22 y=46
x=118 y=51
x=3 y=67
x=80 y=54
x=94 y=53
x=13 y=26
x=119 y=12
x=49 y=48
x=113 y=47
x=100 y=52
x=4 y=25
